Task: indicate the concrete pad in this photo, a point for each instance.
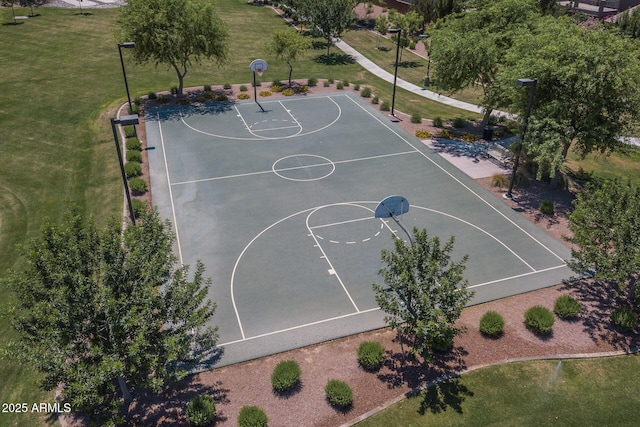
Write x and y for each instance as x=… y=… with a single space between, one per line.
x=474 y=167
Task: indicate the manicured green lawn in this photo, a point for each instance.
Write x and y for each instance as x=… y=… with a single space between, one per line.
x=587 y=392
x=623 y=164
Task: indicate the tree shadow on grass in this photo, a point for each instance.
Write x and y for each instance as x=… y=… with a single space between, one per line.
x=409 y=64
x=13 y=23
x=334 y=59
x=443 y=395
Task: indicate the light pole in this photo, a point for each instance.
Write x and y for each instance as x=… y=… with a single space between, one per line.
x=398 y=32
x=427 y=78
x=126 y=45
x=531 y=84
x=124 y=121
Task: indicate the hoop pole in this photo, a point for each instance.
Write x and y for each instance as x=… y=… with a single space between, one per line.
x=255 y=92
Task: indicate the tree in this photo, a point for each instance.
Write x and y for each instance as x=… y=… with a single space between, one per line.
x=382 y=25
x=469 y=50
x=424 y=292
x=98 y=308
x=32 y=3
x=287 y=45
x=432 y=10
x=409 y=23
x=331 y=17
x=175 y=33
x=629 y=23
x=587 y=95
x=605 y=224
x=9 y=3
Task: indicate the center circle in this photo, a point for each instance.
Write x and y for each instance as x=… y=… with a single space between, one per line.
x=303 y=167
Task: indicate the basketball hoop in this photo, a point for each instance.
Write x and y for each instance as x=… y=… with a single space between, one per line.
x=258 y=66
x=259 y=71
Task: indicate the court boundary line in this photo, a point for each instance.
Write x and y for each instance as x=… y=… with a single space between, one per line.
x=173 y=208
x=458 y=181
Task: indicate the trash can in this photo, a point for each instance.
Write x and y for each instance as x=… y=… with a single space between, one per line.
x=487 y=133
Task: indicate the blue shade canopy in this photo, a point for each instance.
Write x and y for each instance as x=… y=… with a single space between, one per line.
x=392 y=206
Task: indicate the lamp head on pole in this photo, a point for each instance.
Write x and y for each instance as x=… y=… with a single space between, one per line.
x=127 y=120
x=526 y=82
x=127 y=45
x=394 y=30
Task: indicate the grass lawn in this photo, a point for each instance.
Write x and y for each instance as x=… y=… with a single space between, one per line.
x=586 y=392
x=622 y=164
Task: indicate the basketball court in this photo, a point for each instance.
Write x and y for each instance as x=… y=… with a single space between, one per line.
x=279 y=205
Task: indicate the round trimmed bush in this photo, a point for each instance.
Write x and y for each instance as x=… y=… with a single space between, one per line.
x=625 y=318
x=132 y=169
x=265 y=93
x=540 y=319
x=375 y=100
x=133 y=144
x=252 y=416
x=287 y=92
x=129 y=131
x=339 y=86
x=312 y=82
x=227 y=86
x=370 y=355
x=385 y=106
x=139 y=207
x=547 y=207
x=339 y=393
x=134 y=156
x=437 y=122
x=416 y=118
x=567 y=307
x=201 y=410
x=285 y=376
x=138 y=185
x=459 y=122
x=492 y=323
x=365 y=92
x=243 y=88
x=244 y=96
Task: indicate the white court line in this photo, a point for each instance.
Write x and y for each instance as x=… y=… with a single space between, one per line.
x=173 y=208
x=516 y=276
x=280 y=128
x=326 y=258
x=294 y=119
x=340 y=223
x=458 y=181
x=331 y=319
x=240 y=175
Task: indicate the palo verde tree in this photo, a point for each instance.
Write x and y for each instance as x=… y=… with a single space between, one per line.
x=175 y=33
x=588 y=89
x=605 y=224
x=102 y=312
x=330 y=17
x=287 y=45
x=424 y=292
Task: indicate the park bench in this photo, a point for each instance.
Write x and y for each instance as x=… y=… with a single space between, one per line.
x=500 y=155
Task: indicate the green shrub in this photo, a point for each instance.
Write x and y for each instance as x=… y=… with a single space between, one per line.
x=444 y=341
x=138 y=185
x=447 y=133
x=265 y=93
x=356 y=87
x=624 y=317
x=491 y=323
x=276 y=83
x=499 y=180
x=339 y=393
x=129 y=131
x=134 y=109
x=437 y=122
x=222 y=97
x=416 y=118
x=547 y=207
x=285 y=376
x=138 y=101
x=339 y=86
x=227 y=86
x=412 y=45
x=183 y=101
x=540 y=319
x=345 y=83
x=459 y=122
x=287 y=92
x=257 y=83
x=139 y=207
x=132 y=169
x=423 y=134
x=134 y=156
x=207 y=88
x=312 y=82
x=152 y=95
x=330 y=80
x=365 y=92
x=244 y=96
x=163 y=100
x=243 y=88
x=174 y=90
x=252 y=416
x=303 y=89
x=566 y=307
x=326 y=83
x=385 y=106
x=468 y=137
x=201 y=410
x=370 y=355
x=375 y=100
x=133 y=144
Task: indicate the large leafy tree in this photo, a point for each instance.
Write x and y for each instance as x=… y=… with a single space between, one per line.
x=330 y=17
x=102 y=312
x=588 y=89
x=469 y=50
x=287 y=45
x=175 y=33
x=424 y=292
x=432 y=10
x=606 y=230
